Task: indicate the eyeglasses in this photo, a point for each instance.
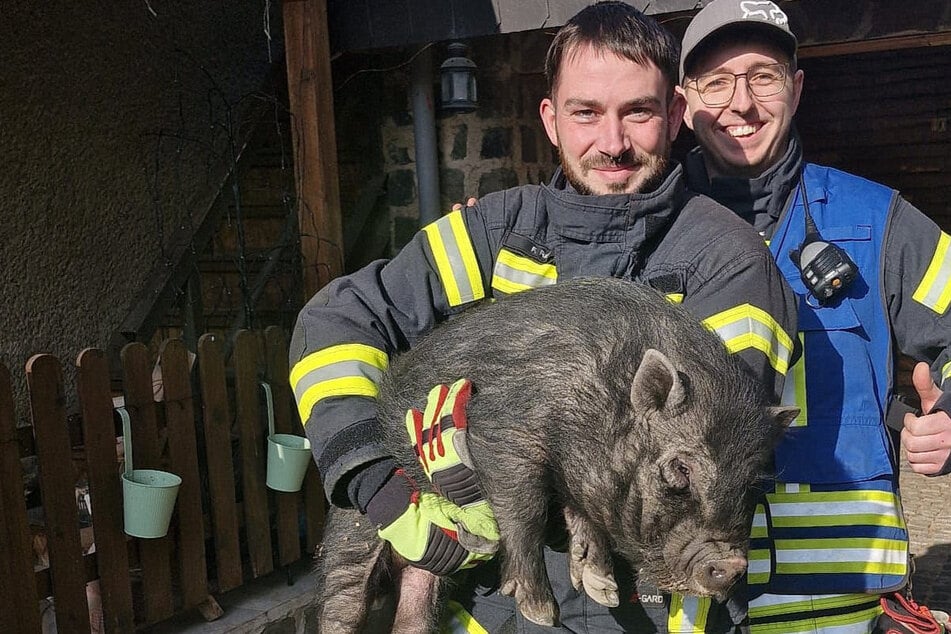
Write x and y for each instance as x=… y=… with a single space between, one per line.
x=717 y=89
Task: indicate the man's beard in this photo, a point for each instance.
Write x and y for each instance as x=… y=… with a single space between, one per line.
x=653 y=170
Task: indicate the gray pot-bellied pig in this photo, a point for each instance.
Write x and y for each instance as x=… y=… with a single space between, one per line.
x=595 y=396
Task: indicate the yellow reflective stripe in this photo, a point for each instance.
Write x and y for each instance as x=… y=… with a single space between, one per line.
x=747 y=326
x=455 y=258
x=350 y=369
x=841 y=555
x=675 y=298
x=688 y=614
x=527 y=265
x=794 y=388
x=849 y=622
x=758 y=565
x=945 y=371
x=934 y=291
x=777 y=604
x=835 y=508
x=459 y=621
x=758 y=528
x=514 y=273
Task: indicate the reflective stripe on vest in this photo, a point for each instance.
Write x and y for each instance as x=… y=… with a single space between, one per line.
x=841 y=555
x=758 y=560
x=839 y=613
x=459 y=621
x=946 y=371
x=934 y=291
x=350 y=369
x=794 y=388
x=515 y=273
x=834 y=508
x=746 y=326
x=814 y=536
x=688 y=614
x=455 y=258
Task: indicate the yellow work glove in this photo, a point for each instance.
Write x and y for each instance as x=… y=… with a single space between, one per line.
x=438 y=435
x=423 y=527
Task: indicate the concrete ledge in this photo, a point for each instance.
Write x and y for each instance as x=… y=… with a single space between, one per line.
x=277 y=603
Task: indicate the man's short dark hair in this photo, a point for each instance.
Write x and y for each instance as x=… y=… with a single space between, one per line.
x=619 y=28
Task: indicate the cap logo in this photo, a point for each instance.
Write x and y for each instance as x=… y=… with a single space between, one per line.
x=766 y=11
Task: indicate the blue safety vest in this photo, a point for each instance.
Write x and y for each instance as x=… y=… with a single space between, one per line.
x=833 y=523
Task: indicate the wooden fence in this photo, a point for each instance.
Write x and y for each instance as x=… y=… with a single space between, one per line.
x=225 y=530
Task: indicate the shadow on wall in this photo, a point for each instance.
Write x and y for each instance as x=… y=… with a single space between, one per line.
x=931 y=581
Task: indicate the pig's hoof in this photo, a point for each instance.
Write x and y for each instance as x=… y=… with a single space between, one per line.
x=600 y=587
x=538 y=612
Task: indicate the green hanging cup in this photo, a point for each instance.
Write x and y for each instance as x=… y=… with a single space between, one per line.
x=288 y=455
x=148 y=495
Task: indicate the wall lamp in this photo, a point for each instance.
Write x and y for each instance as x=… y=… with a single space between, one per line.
x=457 y=76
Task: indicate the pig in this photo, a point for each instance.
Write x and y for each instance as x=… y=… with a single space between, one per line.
x=593 y=396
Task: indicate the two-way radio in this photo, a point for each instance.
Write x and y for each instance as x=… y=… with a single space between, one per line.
x=826 y=269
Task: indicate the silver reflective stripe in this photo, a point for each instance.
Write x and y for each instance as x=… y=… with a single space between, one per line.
x=348 y=369
x=746 y=326
x=521 y=278
x=455 y=259
x=838 y=552
x=339 y=370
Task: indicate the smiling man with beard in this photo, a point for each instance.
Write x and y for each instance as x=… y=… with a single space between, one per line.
x=617 y=208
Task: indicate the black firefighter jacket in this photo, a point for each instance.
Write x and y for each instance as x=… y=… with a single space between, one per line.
x=685 y=245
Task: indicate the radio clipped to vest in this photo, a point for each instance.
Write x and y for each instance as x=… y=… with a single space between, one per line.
x=826 y=270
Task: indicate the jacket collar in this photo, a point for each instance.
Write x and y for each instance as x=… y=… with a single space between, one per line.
x=760 y=201
x=627 y=218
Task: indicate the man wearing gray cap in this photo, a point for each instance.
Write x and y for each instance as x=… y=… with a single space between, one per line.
x=873 y=275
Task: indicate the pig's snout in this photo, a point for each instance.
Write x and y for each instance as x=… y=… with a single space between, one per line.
x=718 y=576
x=713 y=566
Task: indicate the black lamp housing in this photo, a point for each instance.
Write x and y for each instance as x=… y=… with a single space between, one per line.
x=457 y=77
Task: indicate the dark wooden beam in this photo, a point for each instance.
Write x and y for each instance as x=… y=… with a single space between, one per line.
x=315 y=147
x=876 y=45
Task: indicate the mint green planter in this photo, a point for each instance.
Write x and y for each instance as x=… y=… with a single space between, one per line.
x=288 y=455
x=148 y=495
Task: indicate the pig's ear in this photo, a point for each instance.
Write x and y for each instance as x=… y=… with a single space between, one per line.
x=657 y=385
x=784 y=415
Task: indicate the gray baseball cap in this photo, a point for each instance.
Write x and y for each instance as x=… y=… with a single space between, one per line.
x=720 y=14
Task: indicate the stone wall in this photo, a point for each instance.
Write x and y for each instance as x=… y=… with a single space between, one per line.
x=500 y=145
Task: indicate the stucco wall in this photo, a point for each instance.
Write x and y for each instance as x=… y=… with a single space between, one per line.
x=112 y=125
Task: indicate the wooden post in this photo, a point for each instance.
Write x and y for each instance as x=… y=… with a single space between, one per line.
x=310 y=91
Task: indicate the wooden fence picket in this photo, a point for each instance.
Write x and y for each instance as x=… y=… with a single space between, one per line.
x=20 y=612
x=248 y=373
x=47 y=401
x=105 y=490
x=183 y=452
x=139 y=583
x=221 y=481
x=154 y=554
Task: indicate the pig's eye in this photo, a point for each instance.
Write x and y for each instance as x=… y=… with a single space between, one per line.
x=676 y=474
